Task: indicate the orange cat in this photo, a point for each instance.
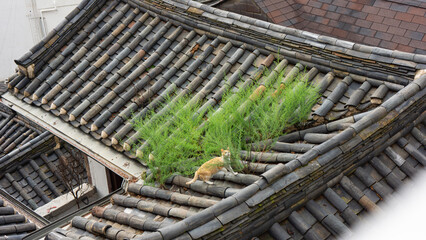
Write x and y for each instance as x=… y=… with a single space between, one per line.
x=212 y=166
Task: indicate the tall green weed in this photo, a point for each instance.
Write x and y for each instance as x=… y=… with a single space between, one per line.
x=179 y=141
x=174 y=140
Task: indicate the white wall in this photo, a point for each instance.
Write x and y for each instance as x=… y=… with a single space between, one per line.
x=52 y=12
x=99 y=177
x=22 y=24
x=15 y=34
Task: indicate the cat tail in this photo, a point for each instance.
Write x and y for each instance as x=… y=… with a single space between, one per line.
x=194 y=179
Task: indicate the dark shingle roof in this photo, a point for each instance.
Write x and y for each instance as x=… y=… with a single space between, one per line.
x=109 y=59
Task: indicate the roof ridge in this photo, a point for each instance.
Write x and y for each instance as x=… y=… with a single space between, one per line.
x=302 y=33
x=326 y=53
x=31 y=62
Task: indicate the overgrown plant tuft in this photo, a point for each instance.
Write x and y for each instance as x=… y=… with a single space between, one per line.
x=180 y=140
x=174 y=140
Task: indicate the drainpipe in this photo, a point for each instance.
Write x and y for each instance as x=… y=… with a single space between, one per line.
x=42 y=23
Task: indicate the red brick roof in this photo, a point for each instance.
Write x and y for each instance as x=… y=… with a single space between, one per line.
x=393 y=24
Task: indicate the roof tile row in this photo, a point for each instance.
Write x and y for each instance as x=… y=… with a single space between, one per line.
x=343 y=205
x=96 y=86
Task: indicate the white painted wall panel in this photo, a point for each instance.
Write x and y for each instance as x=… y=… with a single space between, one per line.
x=15 y=34
x=23 y=23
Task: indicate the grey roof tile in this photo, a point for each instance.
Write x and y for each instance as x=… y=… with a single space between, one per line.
x=277 y=232
x=285 y=147
x=297 y=221
x=233 y=213
x=260 y=196
x=408 y=169
x=334 y=199
x=276 y=172
x=312 y=235
x=173 y=230
x=102 y=95
x=24 y=170
x=393 y=180
x=12 y=223
x=317 y=138
x=206 y=228
x=17 y=228
x=415 y=153
x=371 y=195
x=398 y=160
x=336 y=226
x=316 y=210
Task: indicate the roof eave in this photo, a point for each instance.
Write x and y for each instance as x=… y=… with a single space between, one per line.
x=117 y=162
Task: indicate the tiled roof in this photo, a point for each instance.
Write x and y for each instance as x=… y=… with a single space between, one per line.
x=210 y=2
x=144 y=209
x=387 y=24
x=29 y=162
x=109 y=59
x=13 y=225
x=328 y=208
x=16 y=135
x=37 y=180
x=124 y=60
x=347 y=199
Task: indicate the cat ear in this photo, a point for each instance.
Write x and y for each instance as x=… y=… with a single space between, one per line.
x=221 y=150
x=228 y=148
